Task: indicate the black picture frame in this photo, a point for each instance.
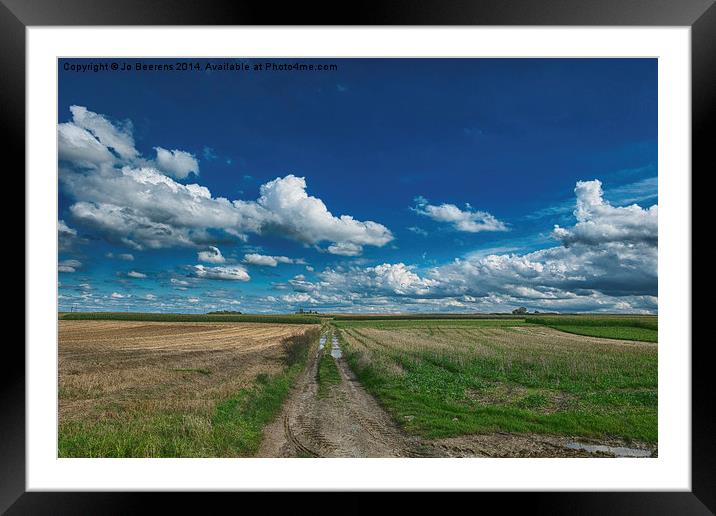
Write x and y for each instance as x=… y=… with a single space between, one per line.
x=700 y=15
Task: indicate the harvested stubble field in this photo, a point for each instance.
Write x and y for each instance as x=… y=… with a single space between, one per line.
x=164 y=317
x=442 y=379
x=156 y=389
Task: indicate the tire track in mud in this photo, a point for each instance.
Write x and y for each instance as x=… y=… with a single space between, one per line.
x=282 y=440
x=294 y=441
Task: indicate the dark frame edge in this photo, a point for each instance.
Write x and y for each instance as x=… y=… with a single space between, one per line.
x=13 y=497
x=368 y=12
x=12 y=381
x=703 y=128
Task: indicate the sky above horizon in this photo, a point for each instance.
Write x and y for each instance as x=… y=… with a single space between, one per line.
x=387 y=185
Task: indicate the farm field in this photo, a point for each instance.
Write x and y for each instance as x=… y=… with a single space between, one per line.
x=635 y=327
x=165 y=317
x=384 y=386
x=167 y=389
x=442 y=379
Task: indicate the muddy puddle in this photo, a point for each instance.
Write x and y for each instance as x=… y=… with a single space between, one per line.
x=322 y=342
x=616 y=451
x=335 y=348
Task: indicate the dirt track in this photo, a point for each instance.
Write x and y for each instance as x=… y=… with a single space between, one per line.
x=348 y=422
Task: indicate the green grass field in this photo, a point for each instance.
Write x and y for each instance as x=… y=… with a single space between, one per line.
x=632 y=327
x=427 y=323
x=642 y=328
x=161 y=317
x=419 y=317
x=449 y=378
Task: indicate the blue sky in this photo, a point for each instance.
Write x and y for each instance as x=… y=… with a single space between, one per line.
x=385 y=185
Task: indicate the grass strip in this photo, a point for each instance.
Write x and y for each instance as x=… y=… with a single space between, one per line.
x=328 y=374
x=621 y=333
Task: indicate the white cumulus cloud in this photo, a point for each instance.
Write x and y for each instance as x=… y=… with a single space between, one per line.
x=211 y=255
x=266 y=260
x=599 y=222
x=292 y=211
x=176 y=163
x=345 y=249
x=233 y=273
x=67 y=237
x=114 y=136
x=64 y=230
x=385 y=279
x=80 y=146
x=69 y=265
x=142 y=208
x=585 y=273
x=468 y=220
x=299 y=298
x=127 y=199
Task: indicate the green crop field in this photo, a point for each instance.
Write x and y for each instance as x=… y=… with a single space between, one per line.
x=643 y=328
x=417 y=317
x=443 y=378
x=427 y=323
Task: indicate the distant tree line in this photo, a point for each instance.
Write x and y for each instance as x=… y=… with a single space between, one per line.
x=522 y=311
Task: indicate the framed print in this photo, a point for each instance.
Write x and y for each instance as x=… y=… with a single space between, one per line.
x=444 y=248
